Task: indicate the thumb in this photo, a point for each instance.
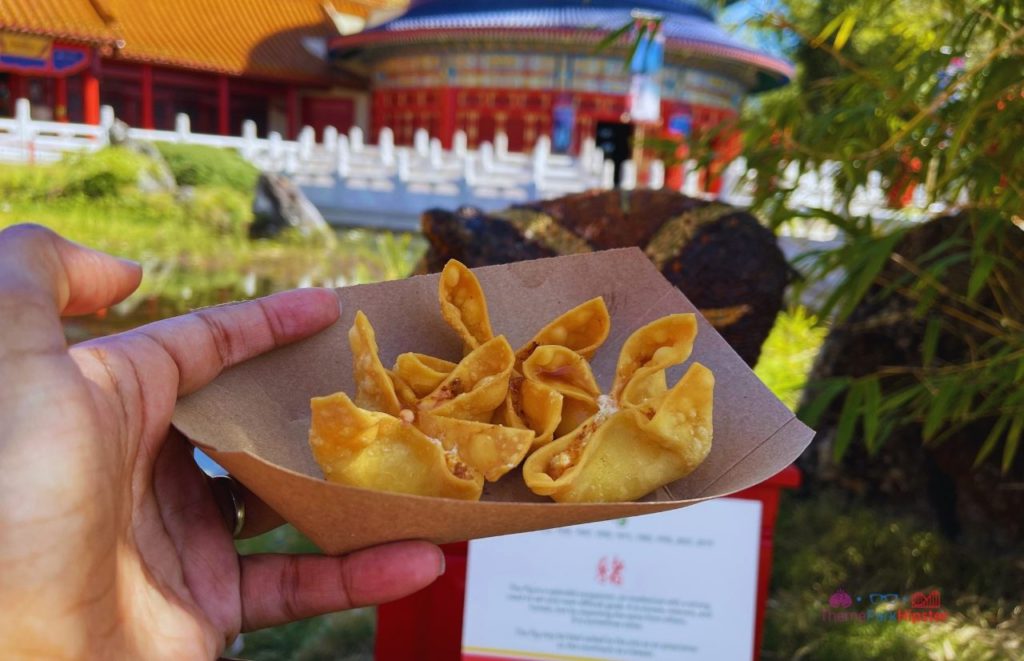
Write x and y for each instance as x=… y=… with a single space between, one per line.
x=36 y=262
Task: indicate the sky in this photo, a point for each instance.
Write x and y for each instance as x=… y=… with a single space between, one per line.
x=736 y=18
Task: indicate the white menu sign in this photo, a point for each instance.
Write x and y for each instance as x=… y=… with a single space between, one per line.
x=674 y=585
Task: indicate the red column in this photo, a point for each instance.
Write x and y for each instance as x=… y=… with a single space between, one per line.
x=224 y=106
x=19 y=90
x=91 y=96
x=147 y=97
x=60 y=99
x=291 y=102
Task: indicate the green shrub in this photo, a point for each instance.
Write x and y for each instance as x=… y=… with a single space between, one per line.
x=22 y=183
x=788 y=353
x=224 y=210
x=102 y=174
x=197 y=165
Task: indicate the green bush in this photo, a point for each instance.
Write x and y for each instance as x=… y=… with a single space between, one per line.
x=20 y=183
x=102 y=174
x=197 y=165
x=224 y=210
x=105 y=174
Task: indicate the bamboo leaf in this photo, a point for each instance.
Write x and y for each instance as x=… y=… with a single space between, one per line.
x=847 y=421
x=872 y=412
x=979 y=275
x=613 y=37
x=938 y=412
x=827 y=31
x=930 y=341
x=827 y=390
x=991 y=440
x=845 y=30
x=896 y=401
x=1012 y=440
x=861 y=281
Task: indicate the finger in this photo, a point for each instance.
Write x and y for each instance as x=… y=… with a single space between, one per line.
x=78 y=280
x=276 y=589
x=206 y=342
x=43 y=276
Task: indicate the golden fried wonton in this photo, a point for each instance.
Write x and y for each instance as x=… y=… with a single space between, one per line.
x=643 y=435
x=429 y=435
x=530 y=404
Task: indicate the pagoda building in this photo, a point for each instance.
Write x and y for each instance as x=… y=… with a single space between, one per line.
x=218 y=61
x=528 y=68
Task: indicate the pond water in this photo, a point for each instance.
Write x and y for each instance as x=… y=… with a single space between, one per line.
x=172 y=287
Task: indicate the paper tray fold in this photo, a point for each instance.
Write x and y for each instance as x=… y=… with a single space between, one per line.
x=254 y=418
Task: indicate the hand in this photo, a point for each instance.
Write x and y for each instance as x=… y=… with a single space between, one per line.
x=111 y=545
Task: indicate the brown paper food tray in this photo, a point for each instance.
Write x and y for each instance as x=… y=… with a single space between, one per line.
x=254 y=418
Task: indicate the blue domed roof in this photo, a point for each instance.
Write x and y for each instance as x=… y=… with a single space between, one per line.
x=689 y=30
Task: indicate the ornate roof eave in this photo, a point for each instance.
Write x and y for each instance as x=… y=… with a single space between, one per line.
x=106 y=39
x=758 y=71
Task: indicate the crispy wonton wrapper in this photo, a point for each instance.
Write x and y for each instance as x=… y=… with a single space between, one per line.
x=540 y=405
x=254 y=419
x=639 y=437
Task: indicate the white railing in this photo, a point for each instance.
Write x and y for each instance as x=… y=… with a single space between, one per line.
x=347 y=178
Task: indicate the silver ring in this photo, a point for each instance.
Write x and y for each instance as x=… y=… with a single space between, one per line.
x=229 y=500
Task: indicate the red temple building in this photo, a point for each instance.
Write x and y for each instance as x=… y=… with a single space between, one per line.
x=525 y=67
x=219 y=61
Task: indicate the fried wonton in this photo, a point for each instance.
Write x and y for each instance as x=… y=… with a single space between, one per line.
x=414 y=438
x=530 y=404
x=643 y=435
x=375 y=450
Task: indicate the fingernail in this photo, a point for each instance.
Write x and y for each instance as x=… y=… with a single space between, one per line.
x=441 y=565
x=131 y=263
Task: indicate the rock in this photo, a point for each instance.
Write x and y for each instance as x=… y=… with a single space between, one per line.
x=721 y=257
x=279 y=204
x=159 y=178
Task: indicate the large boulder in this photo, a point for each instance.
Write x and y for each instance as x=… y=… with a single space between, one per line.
x=720 y=256
x=279 y=204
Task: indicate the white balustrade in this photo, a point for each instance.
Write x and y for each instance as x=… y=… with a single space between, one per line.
x=106 y=117
x=627 y=175
x=421 y=142
x=249 y=140
x=486 y=156
x=587 y=148
x=386 y=145
x=275 y=150
x=342 y=167
x=307 y=138
x=656 y=175
x=500 y=145
x=342 y=155
x=355 y=139
x=460 y=143
x=608 y=175
x=436 y=154
x=182 y=126
x=404 y=164
x=691 y=179
x=330 y=138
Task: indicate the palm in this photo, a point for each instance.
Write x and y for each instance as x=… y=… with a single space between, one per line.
x=112 y=544
x=177 y=554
